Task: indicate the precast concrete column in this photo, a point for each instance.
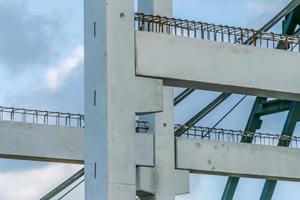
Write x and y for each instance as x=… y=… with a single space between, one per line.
x=168 y=181
x=113 y=96
x=156 y=7
x=164 y=178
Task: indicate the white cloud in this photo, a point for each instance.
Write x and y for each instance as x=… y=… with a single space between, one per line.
x=265 y=7
x=57 y=74
x=33 y=183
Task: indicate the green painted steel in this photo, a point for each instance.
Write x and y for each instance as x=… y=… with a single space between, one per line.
x=288 y=129
x=182 y=96
x=272 y=107
x=289 y=25
x=291 y=21
x=254 y=123
x=200 y=115
x=260 y=108
x=230 y=188
x=268 y=190
x=64 y=185
x=263 y=107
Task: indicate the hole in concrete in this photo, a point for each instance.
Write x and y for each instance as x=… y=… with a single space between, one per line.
x=95 y=97
x=94 y=29
x=122 y=15
x=95 y=170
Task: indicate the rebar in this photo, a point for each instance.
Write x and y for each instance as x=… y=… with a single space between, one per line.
x=227 y=135
x=41 y=117
x=220 y=33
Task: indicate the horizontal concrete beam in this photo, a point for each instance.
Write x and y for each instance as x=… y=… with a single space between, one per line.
x=39 y=142
x=237 y=159
x=60 y=144
x=201 y=64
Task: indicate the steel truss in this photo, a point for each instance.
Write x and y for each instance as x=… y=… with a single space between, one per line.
x=263 y=107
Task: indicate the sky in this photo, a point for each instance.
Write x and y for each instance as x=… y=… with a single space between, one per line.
x=41 y=67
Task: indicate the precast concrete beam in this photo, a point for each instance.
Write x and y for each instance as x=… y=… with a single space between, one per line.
x=231 y=68
x=39 y=142
x=238 y=159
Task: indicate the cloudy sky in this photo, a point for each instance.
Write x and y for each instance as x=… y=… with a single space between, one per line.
x=41 y=66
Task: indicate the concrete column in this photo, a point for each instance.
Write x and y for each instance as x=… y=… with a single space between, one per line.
x=156 y=7
x=168 y=181
x=112 y=97
x=171 y=181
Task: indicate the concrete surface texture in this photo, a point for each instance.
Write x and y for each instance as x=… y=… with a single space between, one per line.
x=218 y=66
x=238 y=159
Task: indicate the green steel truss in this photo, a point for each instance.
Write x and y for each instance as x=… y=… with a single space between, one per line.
x=263 y=107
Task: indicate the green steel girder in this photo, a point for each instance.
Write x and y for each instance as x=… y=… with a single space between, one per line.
x=230 y=188
x=263 y=107
x=200 y=115
x=289 y=25
x=288 y=129
x=272 y=107
x=254 y=123
x=182 y=96
x=291 y=121
x=291 y=21
x=64 y=185
x=268 y=190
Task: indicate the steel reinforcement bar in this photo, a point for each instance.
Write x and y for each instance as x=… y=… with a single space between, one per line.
x=41 y=117
x=197 y=132
x=221 y=33
x=226 y=135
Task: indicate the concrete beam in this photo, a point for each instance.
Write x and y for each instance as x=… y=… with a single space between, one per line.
x=201 y=64
x=41 y=142
x=60 y=144
x=237 y=159
x=38 y=142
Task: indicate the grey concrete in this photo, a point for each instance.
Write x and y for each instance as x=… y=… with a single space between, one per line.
x=146 y=182
x=159 y=184
x=113 y=96
x=39 y=142
x=163 y=181
x=201 y=64
x=60 y=144
x=144 y=145
x=156 y=7
x=237 y=159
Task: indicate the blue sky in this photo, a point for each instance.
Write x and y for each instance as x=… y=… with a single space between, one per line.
x=41 y=66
